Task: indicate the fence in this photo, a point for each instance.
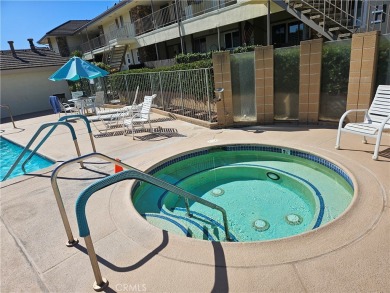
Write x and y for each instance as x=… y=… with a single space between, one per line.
x=186 y=92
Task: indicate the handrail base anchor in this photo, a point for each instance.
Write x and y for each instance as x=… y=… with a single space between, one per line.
x=101 y=286
x=71 y=243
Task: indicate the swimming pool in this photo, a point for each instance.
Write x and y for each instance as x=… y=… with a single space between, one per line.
x=268 y=192
x=10 y=152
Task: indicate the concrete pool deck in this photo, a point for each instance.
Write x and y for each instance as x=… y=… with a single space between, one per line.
x=347 y=255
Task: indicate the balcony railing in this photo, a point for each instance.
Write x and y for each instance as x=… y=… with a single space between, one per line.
x=156 y=20
x=94 y=43
x=127 y=31
x=167 y=15
x=203 y=7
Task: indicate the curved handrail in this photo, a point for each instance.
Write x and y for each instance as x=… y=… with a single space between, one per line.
x=43 y=126
x=136 y=174
x=100 y=282
x=78 y=116
x=57 y=194
x=10 y=114
x=71 y=240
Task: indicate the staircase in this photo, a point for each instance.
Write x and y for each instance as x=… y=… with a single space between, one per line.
x=333 y=19
x=115 y=57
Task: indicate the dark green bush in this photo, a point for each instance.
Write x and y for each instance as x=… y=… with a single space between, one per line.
x=335 y=67
x=383 y=69
x=245 y=49
x=182 y=66
x=193 y=57
x=286 y=69
x=102 y=65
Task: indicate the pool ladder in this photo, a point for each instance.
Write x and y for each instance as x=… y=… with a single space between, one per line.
x=132 y=173
x=53 y=126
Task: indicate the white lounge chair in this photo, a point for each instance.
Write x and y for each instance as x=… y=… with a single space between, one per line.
x=376 y=119
x=141 y=117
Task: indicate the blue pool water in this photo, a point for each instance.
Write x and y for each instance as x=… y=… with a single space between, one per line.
x=267 y=192
x=10 y=152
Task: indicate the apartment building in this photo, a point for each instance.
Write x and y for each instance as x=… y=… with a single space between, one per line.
x=134 y=32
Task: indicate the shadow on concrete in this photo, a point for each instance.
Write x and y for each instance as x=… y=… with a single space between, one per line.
x=157 y=133
x=221 y=279
x=11 y=130
x=135 y=266
x=27 y=116
x=384 y=154
x=285 y=127
x=103 y=175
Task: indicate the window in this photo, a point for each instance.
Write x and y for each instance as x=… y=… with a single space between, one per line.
x=121 y=20
x=116 y=23
x=295 y=33
x=232 y=40
x=200 y=45
x=279 y=34
x=289 y=34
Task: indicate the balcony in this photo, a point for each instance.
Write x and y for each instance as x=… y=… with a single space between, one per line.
x=125 y=34
x=115 y=36
x=168 y=15
x=94 y=44
x=158 y=19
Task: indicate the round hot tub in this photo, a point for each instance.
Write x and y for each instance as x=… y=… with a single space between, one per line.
x=268 y=192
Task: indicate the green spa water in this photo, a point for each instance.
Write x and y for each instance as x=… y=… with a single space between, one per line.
x=266 y=195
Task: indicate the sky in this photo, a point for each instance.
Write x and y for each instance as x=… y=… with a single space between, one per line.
x=21 y=19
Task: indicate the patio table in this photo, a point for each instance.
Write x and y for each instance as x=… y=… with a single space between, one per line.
x=80 y=103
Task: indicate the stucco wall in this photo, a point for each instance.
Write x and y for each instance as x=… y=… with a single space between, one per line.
x=28 y=90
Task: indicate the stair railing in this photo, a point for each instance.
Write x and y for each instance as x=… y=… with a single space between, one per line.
x=64 y=118
x=42 y=127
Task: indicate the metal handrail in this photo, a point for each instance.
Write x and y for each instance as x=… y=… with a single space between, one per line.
x=43 y=126
x=77 y=116
x=10 y=114
x=72 y=241
x=133 y=173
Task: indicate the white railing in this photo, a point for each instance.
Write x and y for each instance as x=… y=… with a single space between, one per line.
x=168 y=15
x=185 y=92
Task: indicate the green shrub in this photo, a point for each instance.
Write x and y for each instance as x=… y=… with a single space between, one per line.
x=103 y=66
x=182 y=66
x=244 y=49
x=76 y=53
x=383 y=69
x=192 y=57
x=286 y=69
x=335 y=67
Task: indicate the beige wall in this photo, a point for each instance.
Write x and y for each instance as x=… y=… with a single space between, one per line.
x=28 y=90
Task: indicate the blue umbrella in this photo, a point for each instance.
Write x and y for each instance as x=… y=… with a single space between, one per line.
x=77 y=68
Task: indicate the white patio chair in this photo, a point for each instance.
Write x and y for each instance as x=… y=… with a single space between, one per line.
x=66 y=108
x=376 y=119
x=141 y=117
x=99 y=99
x=59 y=107
x=89 y=104
x=76 y=95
